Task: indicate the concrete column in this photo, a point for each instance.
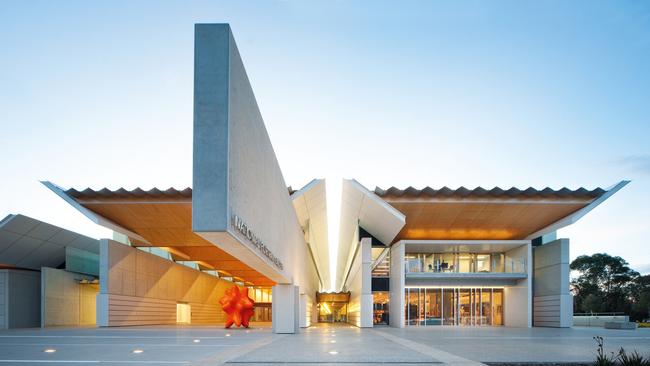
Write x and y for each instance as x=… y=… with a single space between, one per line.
x=366 y=283
x=306 y=306
x=286 y=309
x=397 y=284
x=102 y=297
x=101 y=304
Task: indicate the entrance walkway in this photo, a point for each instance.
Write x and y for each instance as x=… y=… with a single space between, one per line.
x=335 y=343
x=319 y=345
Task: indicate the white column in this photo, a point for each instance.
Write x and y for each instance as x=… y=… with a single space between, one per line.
x=397 y=284
x=366 y=283
x=286 y=309
x=306 y=306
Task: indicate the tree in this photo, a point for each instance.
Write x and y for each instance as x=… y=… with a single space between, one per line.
x=640 y=290
x=603 y=278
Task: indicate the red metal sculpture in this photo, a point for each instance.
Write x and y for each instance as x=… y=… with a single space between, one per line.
x=238 y=306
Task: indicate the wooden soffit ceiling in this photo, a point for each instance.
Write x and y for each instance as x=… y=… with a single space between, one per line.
x=166 y=221
x=479 y=219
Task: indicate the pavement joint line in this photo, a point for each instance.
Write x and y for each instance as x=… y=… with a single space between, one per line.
x=337 y=362
x=527 y=338
x=95 y=361
x=435 y=353
x=222 y=358
x=107 y=337
x=119 y=344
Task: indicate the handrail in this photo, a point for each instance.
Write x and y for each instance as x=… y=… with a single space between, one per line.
x=379 y=259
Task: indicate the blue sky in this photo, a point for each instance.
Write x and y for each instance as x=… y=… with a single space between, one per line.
x=506 y=93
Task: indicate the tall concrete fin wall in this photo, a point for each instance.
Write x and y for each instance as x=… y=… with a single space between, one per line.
x=211 y=130
x=552 y=301
x=236 y=173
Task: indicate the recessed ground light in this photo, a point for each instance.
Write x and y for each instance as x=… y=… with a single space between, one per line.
x=332 y=341
x=228 y=335
x=137 y=351
x=333 y=352
x=248 y=331
x=197 y=341
x=49 y=350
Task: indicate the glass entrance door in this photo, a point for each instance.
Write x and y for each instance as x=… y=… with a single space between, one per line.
x=333 y=312
x=476 y=306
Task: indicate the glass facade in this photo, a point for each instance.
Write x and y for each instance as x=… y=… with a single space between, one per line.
x=463 y=263
x=476 y=306
x=263 y=299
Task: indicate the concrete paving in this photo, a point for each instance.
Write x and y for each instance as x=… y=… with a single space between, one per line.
x=322 y=345
x=501 y=344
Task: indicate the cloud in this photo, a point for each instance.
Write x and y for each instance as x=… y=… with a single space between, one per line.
x=639 y=163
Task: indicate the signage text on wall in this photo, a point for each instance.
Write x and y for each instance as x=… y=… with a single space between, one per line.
x=241 y=226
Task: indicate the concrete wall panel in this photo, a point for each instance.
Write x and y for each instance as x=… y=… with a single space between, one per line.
x=552 y=301
x=3 y=299
x=139 y=288
x=66 y=302
x=24 y=299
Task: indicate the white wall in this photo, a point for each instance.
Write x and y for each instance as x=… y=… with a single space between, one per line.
x=397 y=283
x=518 y=298
x=359 y=284
x=65 y=302
x=552 y=300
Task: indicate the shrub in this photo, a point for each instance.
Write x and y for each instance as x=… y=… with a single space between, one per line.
x=602 y=359
x=622 y=359
x=631 y=359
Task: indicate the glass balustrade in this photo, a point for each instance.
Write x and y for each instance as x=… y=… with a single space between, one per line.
x=464 y=263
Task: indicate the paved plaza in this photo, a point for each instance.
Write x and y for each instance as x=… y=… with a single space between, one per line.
x=319 y=345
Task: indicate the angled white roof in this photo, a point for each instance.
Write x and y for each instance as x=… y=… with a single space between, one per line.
x=361 y=207
x=572 y=218
x=310 y=204
x=29 y=243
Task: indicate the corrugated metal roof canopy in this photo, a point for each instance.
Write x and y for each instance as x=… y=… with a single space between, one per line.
x=496 y=192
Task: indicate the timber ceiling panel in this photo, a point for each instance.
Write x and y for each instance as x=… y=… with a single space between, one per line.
x=166 y=221
x=467 y=220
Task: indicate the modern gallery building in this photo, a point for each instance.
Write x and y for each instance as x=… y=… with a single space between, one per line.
x=456 y=257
